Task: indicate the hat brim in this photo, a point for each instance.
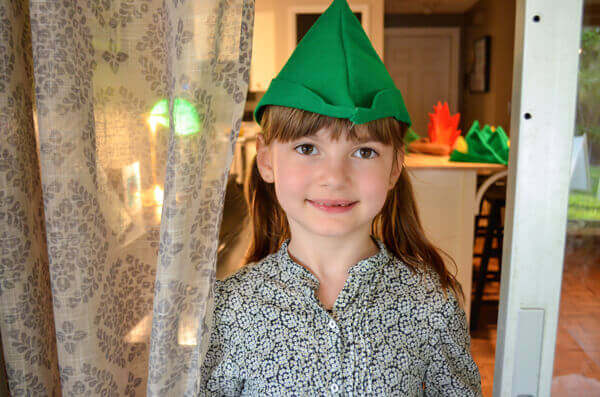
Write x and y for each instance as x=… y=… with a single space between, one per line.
x=386 y=103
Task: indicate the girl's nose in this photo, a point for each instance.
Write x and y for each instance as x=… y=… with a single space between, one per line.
x=335 y=173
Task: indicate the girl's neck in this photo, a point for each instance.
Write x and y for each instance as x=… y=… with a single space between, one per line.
x=330 y=259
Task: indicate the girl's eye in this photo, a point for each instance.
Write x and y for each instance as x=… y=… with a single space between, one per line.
x=366 y=153
x=305 y=148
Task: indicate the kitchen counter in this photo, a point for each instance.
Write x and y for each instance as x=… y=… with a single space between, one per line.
x=417 y=160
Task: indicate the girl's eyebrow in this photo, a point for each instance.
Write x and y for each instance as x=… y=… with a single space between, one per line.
x=313 y=138
x=365 y=139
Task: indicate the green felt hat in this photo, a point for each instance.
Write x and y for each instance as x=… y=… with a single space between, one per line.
x=484 y=146
x=336 y=72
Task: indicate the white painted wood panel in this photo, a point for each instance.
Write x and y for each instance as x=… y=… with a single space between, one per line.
x=544 y=88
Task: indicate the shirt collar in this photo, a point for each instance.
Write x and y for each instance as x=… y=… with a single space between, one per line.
x=362 y=267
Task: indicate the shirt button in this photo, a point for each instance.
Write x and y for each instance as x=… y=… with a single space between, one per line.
x=334 y=388
x=332 y=324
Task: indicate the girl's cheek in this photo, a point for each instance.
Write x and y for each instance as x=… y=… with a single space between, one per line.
x=292 y=176
x=375 y=179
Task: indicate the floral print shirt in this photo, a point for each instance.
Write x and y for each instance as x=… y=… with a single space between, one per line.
x=391 y=332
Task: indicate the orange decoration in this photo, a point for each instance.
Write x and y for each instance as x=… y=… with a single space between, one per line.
x=442 y=127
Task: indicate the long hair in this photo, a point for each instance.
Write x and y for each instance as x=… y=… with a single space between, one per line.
x=397 y=224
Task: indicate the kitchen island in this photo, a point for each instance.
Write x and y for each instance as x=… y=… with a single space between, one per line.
x=446 y=197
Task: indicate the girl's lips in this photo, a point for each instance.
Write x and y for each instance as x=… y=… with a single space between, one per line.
x=330 y=205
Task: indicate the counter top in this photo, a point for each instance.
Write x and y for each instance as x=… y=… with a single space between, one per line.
x=418 y=160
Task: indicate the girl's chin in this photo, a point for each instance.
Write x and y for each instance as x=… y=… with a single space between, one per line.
x=331 y=231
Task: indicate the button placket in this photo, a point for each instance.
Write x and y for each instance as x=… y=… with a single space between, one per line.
x=332 y=324
x=335 y=364
x=334 y=388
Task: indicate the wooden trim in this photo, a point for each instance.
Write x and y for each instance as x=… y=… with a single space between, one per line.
x=421 y=21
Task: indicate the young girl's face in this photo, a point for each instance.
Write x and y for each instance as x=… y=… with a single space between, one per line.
x=312 y=174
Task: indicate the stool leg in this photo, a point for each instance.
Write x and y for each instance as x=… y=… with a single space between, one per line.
x=483 y=267
x=500 y=234
x=478 y=228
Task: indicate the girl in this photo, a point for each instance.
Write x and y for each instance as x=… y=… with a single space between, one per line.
x=341 y=293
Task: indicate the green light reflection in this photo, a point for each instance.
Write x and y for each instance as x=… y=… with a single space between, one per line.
x=185 y=116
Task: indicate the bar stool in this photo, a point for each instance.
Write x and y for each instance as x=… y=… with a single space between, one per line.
x=492 y=232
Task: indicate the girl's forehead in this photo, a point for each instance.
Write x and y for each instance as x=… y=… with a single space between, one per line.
x=330 y=134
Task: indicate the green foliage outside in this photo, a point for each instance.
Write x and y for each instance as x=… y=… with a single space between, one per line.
x=585 y=206
x=588 y=92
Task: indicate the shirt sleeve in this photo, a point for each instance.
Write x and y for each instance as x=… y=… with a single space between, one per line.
x=219 y=373
x=451 y=370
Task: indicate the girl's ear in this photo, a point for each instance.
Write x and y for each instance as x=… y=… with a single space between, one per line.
x=396 y=169
x=264 y=159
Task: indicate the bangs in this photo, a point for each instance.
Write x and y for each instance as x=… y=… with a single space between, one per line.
x=286 y=124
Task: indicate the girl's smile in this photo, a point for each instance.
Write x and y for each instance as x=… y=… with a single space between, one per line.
x=333 y=206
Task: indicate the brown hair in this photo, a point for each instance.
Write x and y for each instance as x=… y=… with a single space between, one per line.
x=397 y=224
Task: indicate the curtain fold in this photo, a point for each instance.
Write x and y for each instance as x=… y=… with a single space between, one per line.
x=118 y=121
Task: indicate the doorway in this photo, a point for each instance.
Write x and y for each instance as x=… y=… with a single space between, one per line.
x=424 y=63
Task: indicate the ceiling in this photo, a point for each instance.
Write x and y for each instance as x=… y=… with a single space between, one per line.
x=428 y=6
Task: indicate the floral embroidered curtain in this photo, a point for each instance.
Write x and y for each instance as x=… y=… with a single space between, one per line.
x=118 y=121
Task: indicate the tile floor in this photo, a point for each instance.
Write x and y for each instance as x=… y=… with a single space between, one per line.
x=577 y=359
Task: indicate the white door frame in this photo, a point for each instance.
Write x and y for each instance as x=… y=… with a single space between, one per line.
x=542 y=128
x=454 y=33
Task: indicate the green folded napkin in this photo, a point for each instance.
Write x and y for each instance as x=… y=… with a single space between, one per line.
x=484 y=146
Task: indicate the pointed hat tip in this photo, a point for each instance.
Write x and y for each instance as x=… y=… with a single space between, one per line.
x=341 y=4
x=352 y=81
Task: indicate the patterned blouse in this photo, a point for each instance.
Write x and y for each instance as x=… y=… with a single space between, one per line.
x=391 y=332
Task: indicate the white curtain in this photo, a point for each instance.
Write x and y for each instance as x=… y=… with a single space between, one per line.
x=118 y=121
